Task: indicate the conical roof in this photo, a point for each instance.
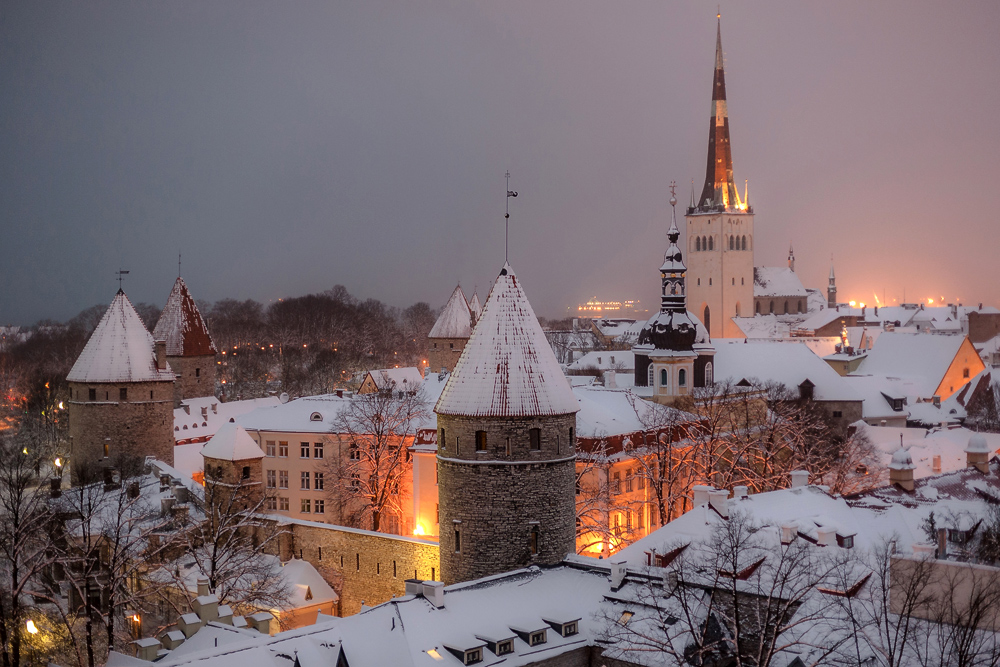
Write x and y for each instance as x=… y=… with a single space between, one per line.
x=231 y=443
x=455 y=321
x=182 y=325
x=507 y=368
x=475 y=306
x=119 y=350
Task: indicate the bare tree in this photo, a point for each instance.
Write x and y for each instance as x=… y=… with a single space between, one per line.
x=377 y=428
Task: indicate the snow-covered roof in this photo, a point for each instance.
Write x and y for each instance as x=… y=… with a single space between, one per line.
x=762 y=326
x=119 y=350
x=788 y=363
x=623 y=360
x=182 y=325
x=232 y=443
x=776 y=281
x=403 y=379
x=828 y=315
x=475 y=306
x=306 y=584
x=199 y=418
x=455 y=321
x=920 y=357
x=507 y=368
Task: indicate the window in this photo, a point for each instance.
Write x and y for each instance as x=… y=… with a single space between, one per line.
x=845 y=541
x=711 y=243
x=572 y=442
x=771 y=311
x=283 y=504
x=505 y=647
x=640 y=481
x=628 y=481
x=536 y=638
x=355 y=480
x=707 y=320
x=107 y=449
x=616 y=483
x=451 y=346
x=272 y=503
x=306 y=506
x=628 y=520
x=354 y=452
x=444 y=443
x=651 y=380
x=682 y=377
x=92 y=394
x=304 y=450
x=304 y=477
x=270 y=448
x=123 y=393
x=272 y=479
x=282 y=449
x=458 y=541
x=744 y=243
x=473 y=656
x=965 y=373
x=318 y=481
x=709 y=379
x=664 y=378
x=318 y=450
x=506 y=447
x=569 y=629
x=316 y=417
x=786 y=308
x=246 y=473
x=535 y=438
x=697 y=243
x=757 y=307
x=837 y=414
x=731 y=243
x=197 y=372
x=282 y=479
x=533 y=541
x=480 y=441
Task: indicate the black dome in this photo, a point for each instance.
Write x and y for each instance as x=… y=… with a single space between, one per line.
x=671 y=330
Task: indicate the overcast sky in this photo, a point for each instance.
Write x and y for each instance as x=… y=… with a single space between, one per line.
x=286 y=147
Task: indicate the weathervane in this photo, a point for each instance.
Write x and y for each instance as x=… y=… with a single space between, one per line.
x=506 y=218
x=178 y=264
x=121 y=274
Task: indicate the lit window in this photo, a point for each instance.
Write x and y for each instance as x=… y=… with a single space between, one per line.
x=625 y=618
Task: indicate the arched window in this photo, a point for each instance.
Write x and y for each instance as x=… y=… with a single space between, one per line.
x=711 y=243
x=708 y=319
x=744 y=243
x=731 y=242
x=709 y=378
x=682 y=377
x=664 y=379
x=772 y=308
x=651 y=376
x=697 y=243
x=704 y=243
x=673 y=288
x=786 y=307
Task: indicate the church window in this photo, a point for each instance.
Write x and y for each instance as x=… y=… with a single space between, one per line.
x=664 y=378
x=682 y=378
x=744 y=242
x=123 y=393
x=709 y=379
x=731 y=243
x=704 y=243
x=711 y=243
x=697 y=243
x=651 y=379
x=737 y=305
x=708 y=319
x=480 y=441
x=535 y=438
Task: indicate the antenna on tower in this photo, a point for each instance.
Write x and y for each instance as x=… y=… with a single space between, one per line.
x=178 y=263
x=506 y=217
x=121 y=274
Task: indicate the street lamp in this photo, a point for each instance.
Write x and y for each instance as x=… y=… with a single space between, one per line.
x=32 y=628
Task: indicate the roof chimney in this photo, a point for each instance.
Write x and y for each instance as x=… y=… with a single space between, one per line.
x=617 y=574
x=977 y=453
x=434 y=592
x=936 y=464
x=901 y=469
x=740 y=492
x=788 y=533
x=920 y=549
x=203 y=588
x=701 y=494
x=826 y=537
x=719 y=501
x=942 y=543
x=799 y=478
x=609 y=380
x=161 y=354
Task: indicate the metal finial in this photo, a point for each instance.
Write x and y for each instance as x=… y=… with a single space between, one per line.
x=178 y=264
x=673 y=193
x=506 y=217
x=121 y=274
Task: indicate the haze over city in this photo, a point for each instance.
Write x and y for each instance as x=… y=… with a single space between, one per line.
x=365 y=144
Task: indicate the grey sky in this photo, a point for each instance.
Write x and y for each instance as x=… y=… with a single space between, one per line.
x=287 y=147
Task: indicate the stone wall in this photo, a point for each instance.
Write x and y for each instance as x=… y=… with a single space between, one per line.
x=195 y=376
x=363 y=567
x=507 y=506
x=142 y=424
x=444 y=353
x=983 y=326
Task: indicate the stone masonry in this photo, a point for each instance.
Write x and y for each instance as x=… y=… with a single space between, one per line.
x=443 y=353
x=195 y=376
x=141 y=423
x=510 y=505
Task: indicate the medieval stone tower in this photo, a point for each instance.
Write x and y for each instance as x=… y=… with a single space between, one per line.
x=506 y=446
x=450 y=333
x=121 y=391
x=720 y=229
x=190 y=350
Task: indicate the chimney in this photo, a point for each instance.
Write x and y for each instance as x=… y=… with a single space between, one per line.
x=942 y=543
x=719 y=501
x=204 y=412
x=187 y=408
x=180 y=512
x=826 y=537
x=180 y=492
x=617 y=574
x=261 y=622
x=340 y=393
x=901 y=469
x=936 y=464
x=788 y=533
x=172 y=639
x=147 y=649
x=203 y=588
x=799 y=478
x=161 y=354
x=977 y=453
x=189 y=624
x=111 y=480
x=133 y=490
x=414 y=587
x=164 y=481
x=609 y=380
x=740 y=492
x=434 y=592
x=701 y=494
x=924 y=550
x=207 y=608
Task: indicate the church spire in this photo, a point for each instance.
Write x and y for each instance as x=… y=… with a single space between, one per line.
x=719 y=190
x=672 y=271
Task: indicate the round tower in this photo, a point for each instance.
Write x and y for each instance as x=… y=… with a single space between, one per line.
x=190 y=350
x=450 y=333
x=121 y=391
x=506 y=446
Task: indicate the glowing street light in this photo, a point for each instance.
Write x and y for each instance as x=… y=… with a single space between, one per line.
x=32 y=628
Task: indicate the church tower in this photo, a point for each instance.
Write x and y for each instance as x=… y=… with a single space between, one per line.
x=831 y=290
x=506 y=446
x=673 y=353
x=720 y=228
x=190 y=350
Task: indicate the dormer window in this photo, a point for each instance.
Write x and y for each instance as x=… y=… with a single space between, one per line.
x=473 y=656
x=536 y=638
x=845 y=541
x=316 y=417
x=505 y=647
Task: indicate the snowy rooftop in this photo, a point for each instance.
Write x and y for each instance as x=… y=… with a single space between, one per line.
x=776 y=281
x=622 y=360
x=403 y=379
x=232 y=443
x=182 y=325
x=507 y=368
x=455 y=321
x=920 y=357
x=119 y=350
x=762 y=326
x=787 y=363
x=924 y=445
x=198 y=419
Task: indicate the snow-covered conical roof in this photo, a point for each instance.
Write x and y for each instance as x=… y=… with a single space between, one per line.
x=455 y=321
x=182 y=325
x=119 y=350
x=231 y=443
x=475 y=306
x=507 y=368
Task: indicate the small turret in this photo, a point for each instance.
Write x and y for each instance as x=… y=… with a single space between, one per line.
x=977 y=453
x=901 y=469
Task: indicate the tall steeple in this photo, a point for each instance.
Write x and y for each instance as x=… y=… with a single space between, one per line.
x=673 y=269
x=791 y=258
x=719 y=190
x=831 y=289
